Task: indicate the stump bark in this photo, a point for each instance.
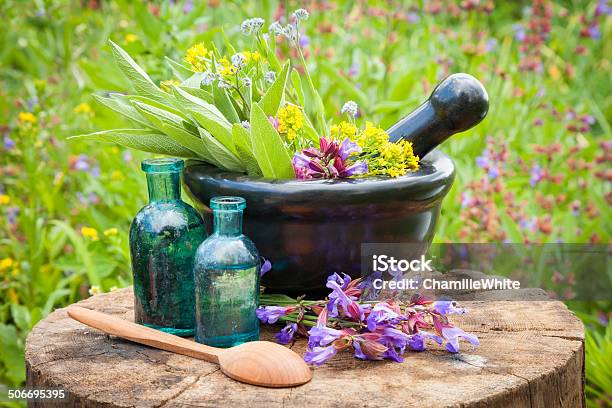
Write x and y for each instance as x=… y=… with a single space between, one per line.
x=531 y=355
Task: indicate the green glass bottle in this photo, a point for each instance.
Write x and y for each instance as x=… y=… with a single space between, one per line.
x=164 y=237
x=226 y=273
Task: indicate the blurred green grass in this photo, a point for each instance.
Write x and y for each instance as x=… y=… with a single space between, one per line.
x=536 y=170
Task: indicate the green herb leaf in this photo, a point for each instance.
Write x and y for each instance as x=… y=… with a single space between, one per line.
x=297 y=85
x=139 y=79
x=198 y=93
x=141 y=139
x=208 y=116
x=244 y=146
x=226 y=159
x=274 y=96
x=268 y=147
x=157 y=104
x=223 y=102
x=120 y=104
x=179 y=70
x=172 y=125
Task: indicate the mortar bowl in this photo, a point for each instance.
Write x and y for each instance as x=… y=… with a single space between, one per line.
x=310 y=229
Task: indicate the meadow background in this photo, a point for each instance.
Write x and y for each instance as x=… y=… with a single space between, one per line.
x=536 y=170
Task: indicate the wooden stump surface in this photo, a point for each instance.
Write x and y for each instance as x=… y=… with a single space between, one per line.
x=531 y=355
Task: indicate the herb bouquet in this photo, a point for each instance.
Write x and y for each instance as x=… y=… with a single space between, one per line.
x=249 y=112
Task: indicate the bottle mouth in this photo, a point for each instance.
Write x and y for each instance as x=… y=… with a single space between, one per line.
x=227 y=203
x=163 y=165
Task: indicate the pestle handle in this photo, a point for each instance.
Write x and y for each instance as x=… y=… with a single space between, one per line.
x=457 y=104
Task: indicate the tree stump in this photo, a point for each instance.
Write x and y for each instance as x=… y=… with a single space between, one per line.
x=531 y=355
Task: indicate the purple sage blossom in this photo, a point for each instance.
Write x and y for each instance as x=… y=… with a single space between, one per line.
x=347 y=148
x=9 y=144
x=536 y=175
x=452 y=335
x=447 y=307
x=417 y=341
x=266 y=265
x=271 y=314
x=319 y=355
x=381 y=312
x=285 y=336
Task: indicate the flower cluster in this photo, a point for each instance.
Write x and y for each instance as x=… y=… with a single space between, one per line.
x=373 y=330
x=330 y=160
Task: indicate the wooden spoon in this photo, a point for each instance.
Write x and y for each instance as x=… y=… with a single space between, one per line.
x=260 y=363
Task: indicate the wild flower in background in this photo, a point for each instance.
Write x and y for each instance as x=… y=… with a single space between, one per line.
x=90 y=233
x=290 y=121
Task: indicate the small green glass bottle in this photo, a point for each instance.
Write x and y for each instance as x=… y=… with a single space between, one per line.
x=226 y=270
x=164 y=237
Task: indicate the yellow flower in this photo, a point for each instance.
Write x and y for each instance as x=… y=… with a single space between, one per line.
x=197 y=57
x=83 y=108
x=116 y=175
x=6 y=263
x=113 y=288
x=4 y=199
x=131 y=38
x=111 y=232
x=251 y=56
x=15 y=272
x=94 y=290
x=27 y=117
x=343 y=130
x=395 y=159
x=166 y=86
x=290 y=120
x=90 y=233
x=226 y=67
x=372 y=137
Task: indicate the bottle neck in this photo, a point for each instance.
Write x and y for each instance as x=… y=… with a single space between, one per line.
x=164 y=186
x=227 y=223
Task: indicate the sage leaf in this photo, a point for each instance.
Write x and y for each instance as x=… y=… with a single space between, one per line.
x=244 y=147
x=224 y=103
x=141 y=139
x=142 y=83
x=120 y=104
x=207 y=116
x=268 y=147
x=273 y=98
x=226 y=159
x=178 y=69
x=174 y=126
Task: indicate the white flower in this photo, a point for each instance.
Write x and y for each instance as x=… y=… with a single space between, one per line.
x=290 y=32
x=94 y=290
x=208 y=78
x=246 y=82
x=224 y=84
x=251 y=26
x=270 y=77
x=238 y=60
x=350 y=108
x=301 y=14
x=276 y=28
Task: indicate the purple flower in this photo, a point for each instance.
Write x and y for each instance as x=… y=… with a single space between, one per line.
x=380 y=313
x=81 y=163
x=417 y=341
x=447 y=307
x=188 y=6
x=452 y=335
x=395 y=338
x=413 y=18
x=11 y=215
x=602 y=8
x=360 y=167
x=265 y=266
x=285 y=336
x=493 y=172
x=320 y=335
x=319 y=355
x=490 y=45
x=350 y=307
x=343 y=280
x=127 y=156
x=304 y=40
x=347 y=148
x=354 y=70
x=483 y=161
x=519 y=32
x=594 y=32
x=271 y=314
x=9 y=144
x=536 y=175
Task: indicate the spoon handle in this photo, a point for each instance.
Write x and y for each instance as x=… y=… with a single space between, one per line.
x=144 y=335
x=457 y=104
